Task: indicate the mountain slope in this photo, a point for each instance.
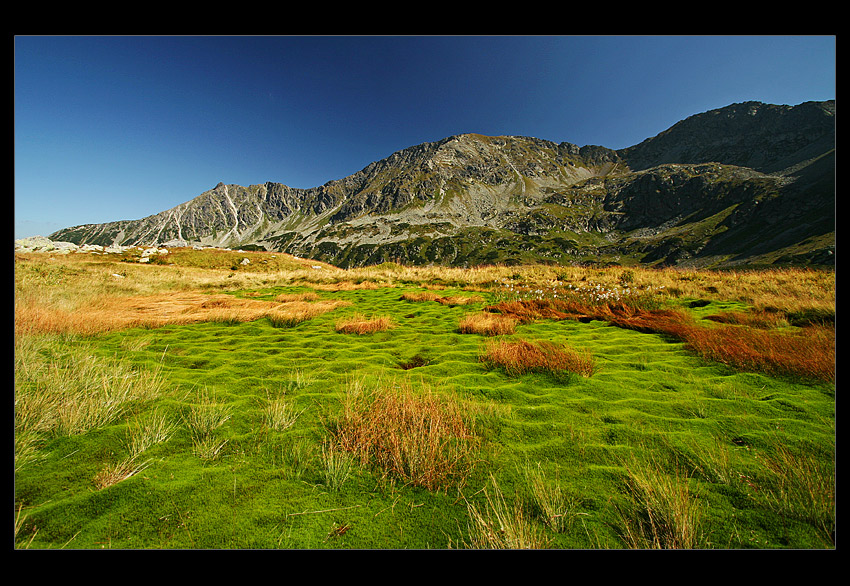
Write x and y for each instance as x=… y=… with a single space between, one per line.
x=750 y=183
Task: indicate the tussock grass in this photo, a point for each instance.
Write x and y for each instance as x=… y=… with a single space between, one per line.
x=518 y=357
x=203 y=418
x=360 y=324
x=497 y=525
x=798 y=485
x=153 y=429
x=663 y=512
x=487 y=324
x=337 y=465
x=298 y=455
x=280 y=413
x=206 y=414
x=557 y=508
x=420 y=296
x=295 y=312
x=62 y=390
x=112 y=474
x=290 y=297
x=419 y=437
x=208 y=447
x=459 y=300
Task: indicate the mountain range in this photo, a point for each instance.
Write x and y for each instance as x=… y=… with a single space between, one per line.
x=750 y=184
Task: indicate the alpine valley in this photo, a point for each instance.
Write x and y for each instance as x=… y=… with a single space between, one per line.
x=747 y=185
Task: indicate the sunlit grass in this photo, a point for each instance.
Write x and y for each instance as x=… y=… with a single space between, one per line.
x=799 y=485
x=518 y=357
x=261 y=428
x=62 y=390
x=417 y=436
x=498 y=524
x=280 y=413
x=360 y=324
x=487 y=324
x=663 y=512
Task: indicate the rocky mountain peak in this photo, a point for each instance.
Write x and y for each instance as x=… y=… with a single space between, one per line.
x=750 y=182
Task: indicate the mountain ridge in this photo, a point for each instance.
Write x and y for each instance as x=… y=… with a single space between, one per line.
x=689 y=195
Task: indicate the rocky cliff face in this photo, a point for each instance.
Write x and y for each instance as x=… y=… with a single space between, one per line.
x=747 y=183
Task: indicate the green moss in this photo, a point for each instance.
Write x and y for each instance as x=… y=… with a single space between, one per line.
x=650 y=400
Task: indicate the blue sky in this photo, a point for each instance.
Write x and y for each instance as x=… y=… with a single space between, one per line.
x=119 y=128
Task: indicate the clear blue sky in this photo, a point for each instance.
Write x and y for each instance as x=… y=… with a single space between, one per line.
x=119 y=128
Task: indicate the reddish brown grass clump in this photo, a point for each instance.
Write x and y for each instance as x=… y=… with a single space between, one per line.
x=808 y=352
x=519 y=357
x=423 y=438
x=359 y=324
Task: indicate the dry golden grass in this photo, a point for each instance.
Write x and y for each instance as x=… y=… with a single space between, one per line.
x=341 y=285
x=114 y=313
x=519 y=357
x=447 y=300
x=86 y=294
x=290 y=297
x=459 y=300
x=295 y=312
x=487 y=324
x=421 y=296
x=360 y=324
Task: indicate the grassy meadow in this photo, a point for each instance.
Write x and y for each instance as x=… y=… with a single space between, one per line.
x=198 y=401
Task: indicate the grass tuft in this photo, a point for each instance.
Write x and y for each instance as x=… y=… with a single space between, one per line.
x=203 y=419
x=280 y=414
x=497 y=525
x=801 y=486
x=518 y=357
x=419 y=437
x=337 y=466
x=360 y=324
x=487 y=324
x=663 y=513
x=112 y=474
x=555 y=506
x=157 y=428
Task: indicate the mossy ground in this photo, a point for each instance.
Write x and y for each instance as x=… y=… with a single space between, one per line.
x=650 y=400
